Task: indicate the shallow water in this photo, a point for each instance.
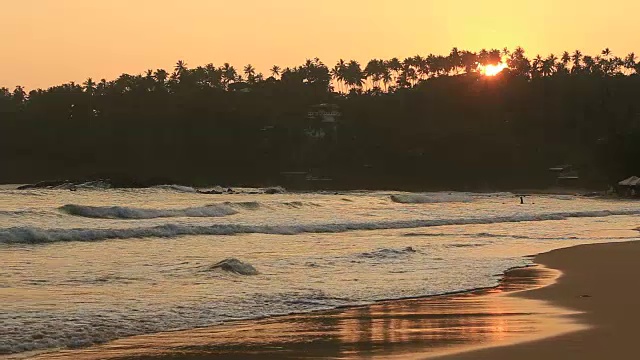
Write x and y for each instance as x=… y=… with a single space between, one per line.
x=131 y=262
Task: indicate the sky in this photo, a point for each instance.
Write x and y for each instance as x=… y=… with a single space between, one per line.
x=49 y=42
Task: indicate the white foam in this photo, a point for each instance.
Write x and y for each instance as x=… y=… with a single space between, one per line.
x=121 y=212
x=433 y=198
x=178 y=188
x=34 y=235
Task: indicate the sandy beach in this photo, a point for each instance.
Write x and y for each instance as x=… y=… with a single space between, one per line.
x=586 y=312
x=599 y=281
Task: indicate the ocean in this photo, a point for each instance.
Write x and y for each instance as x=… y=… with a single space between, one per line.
x=84 y=267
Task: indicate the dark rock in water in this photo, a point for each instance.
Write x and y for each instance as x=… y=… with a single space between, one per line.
x=409 y=249
x=235 y=266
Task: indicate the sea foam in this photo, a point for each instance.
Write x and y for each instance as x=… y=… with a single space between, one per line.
x=121 y=212
x=35 y=235
x=434 y=198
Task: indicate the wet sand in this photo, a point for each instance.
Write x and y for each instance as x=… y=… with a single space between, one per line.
x=590 y=312
x=600 y=281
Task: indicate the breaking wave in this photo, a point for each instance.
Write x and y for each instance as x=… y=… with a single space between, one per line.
x=178 y=188
x=235 y=266
x=434 y=198
x=33 y=235
x=247 y=205
x=388 y=253
x=120 y=212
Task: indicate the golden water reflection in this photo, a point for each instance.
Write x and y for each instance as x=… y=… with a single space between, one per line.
x=415 y=328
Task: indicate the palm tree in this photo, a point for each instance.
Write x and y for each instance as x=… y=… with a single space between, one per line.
x=576 y=58
x=89 y=86
x=434 y=66
x=536 y=66
x=469 y=61
x=275 y=71
x=454 y=60
x=338 y=73
x=212 y=76
x=354 y=76
x=421 y=67
x=373 y=70
x=549 y=65
x=250 y=72
x=394 y=65
x=519 y=63
x=102 y=86
x=19 y=95
x=161 y=76
x=386 y=77
x=589 y=64
x=180 y=69
x=494 y=57
x=630 y=62
x=229 y=74
x=483 y=57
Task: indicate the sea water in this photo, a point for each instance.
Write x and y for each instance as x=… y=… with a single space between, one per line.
x=85 y=267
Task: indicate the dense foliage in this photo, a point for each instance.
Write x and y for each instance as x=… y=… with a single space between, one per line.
x=432 y=121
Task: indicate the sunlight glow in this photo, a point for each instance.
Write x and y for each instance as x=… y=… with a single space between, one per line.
x=492 y=70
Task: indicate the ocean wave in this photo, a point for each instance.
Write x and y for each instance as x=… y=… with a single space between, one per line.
x=434 y=198
x=387 y=253
x=245 y=205
x=235 y=266
x=178 y=188
x=121 y=212
x=33 y=235
x=14 y=212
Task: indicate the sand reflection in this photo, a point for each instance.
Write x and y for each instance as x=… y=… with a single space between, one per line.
x=415 y=328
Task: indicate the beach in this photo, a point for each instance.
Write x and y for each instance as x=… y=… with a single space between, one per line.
x=168 y=272
x=599 y=281
x=575 y=304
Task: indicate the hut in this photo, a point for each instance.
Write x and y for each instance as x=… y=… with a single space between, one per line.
x=629 y=186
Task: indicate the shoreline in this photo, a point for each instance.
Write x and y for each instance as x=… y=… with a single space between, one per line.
x=598 y=281
x=430 y=318
x=545 y=310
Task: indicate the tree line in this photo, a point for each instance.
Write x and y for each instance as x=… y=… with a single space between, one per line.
x=426 y=122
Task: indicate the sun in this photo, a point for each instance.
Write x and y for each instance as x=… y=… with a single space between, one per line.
x=492 y=70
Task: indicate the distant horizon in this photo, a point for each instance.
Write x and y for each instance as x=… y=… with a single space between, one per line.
x=49 y=42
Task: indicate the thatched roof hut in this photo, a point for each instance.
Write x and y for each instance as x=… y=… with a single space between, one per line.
x=632 y=181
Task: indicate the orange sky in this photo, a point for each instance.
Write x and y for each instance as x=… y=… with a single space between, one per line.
x=47 y=42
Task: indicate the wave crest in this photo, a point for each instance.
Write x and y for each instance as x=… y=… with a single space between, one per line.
x=434 y=198
x=388 y=253
x=121 y=212
x=33 y=235
x=178 y=188
x=235 y=266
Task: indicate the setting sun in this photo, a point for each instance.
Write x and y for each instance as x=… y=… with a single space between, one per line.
x=492 y=70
